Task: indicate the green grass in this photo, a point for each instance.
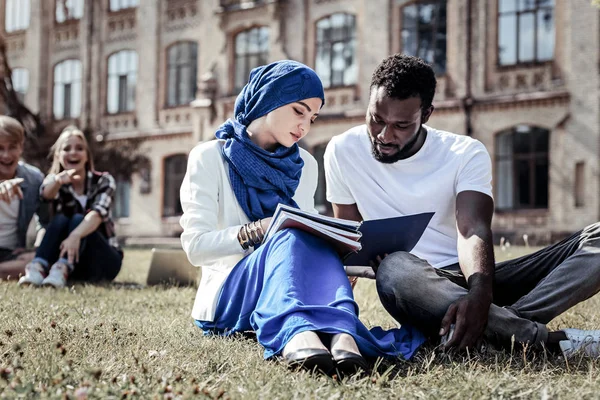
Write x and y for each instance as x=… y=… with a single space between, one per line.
x=124 y=340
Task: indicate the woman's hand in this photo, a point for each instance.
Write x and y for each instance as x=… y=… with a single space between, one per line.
x=264 y=224
x=67 y=176
x=70 y=247
x=10 y=188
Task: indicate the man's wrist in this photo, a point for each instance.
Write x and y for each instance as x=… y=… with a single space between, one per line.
x=482 y=285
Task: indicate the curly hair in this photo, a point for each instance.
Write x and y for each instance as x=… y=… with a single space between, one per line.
x=404 y=76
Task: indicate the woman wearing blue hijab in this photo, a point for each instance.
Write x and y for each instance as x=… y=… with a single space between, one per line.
x=292 y=290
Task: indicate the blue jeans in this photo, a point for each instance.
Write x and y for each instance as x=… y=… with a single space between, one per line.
x=98 y=260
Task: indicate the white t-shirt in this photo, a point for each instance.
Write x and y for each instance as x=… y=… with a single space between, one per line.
x=9 y=213
x=429 y=181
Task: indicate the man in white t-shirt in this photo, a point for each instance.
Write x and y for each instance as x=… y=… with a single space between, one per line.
x=449 y=284
x=19 y=199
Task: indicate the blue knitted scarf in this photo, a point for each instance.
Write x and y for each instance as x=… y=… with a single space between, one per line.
x=262 y=179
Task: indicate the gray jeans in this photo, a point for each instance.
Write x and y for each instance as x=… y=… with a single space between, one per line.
x=528 y=291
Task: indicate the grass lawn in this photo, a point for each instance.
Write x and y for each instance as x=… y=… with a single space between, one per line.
x=127 y=341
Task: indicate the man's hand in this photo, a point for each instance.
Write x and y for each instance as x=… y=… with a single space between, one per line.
x=470 y=316
x=10 y=188
x=70 y=248
x=375 y=263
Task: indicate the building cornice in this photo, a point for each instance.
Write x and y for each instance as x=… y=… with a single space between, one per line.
x=521 y=100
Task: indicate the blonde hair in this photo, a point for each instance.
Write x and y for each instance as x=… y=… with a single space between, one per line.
x=12 y=129
x=69 y=131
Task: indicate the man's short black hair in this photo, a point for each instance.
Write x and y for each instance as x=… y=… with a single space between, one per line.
x=404 y=76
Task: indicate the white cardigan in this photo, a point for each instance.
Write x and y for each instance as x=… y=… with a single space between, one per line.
x=212 y=219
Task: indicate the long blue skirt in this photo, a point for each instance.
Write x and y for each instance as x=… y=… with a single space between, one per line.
x=293 y=283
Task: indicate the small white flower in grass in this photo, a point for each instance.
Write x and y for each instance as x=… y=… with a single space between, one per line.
x=82 y=393
x=154 y=353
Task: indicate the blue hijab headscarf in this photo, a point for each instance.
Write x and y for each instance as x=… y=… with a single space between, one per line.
x=262 y=179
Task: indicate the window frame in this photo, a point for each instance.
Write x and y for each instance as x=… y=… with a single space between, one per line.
x=22 y=75
x=122 y=7
x=435 y=27
x=122 y=199
x=346 y=40
x=531 y=157
x=79 y=6
x=262 y=56
x=517 y=14
x=122 y=105
x=72 y=84
x=178 y=66
x=23 y=17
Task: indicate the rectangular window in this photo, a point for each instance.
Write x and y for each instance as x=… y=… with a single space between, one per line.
x=122 y=76
x=20 y=82
x=68 y=10
x=67 y=100
x=67 y=89
x=521 y=168
x=321 y=203
x=122 y=198
x=122 y=93
x=174 y=168
x=116 y=5
x=526 y=31
x=251 y=51
x=424 y=32
x=182 y=59
x=16 y=15
x=335 y=60
x=580 y=184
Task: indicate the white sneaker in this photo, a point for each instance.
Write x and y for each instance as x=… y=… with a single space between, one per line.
x=581 y=342
x=34 y=274
x=58 y=276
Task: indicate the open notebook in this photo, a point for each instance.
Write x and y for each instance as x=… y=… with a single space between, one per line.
x=356 y=242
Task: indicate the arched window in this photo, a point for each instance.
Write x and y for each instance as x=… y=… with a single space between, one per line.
x=116 y=5
x=68 y=10
x=174 y=167
x=16 y=15
x=67 y=89
x=525 y=31
x=122 y=76
x=251 y=51
x=335 y=61
x=424 y=32
x=182 y=65
x=521 y=155
x=20 y=81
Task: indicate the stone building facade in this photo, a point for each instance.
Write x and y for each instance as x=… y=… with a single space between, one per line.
x=522 y=76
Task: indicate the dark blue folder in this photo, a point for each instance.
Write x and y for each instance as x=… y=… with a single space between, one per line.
x=385 y=236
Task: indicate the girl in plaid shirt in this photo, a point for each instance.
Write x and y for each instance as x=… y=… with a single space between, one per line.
x=80 y=242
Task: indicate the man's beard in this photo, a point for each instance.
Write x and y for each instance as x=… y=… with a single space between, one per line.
x=399 y=154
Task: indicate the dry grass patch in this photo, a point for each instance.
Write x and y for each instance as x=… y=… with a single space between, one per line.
x=127 y=341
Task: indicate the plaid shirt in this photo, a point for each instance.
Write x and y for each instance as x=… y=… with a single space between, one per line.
x=100 y=188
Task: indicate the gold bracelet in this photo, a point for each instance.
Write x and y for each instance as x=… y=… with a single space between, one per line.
x=243 y=240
